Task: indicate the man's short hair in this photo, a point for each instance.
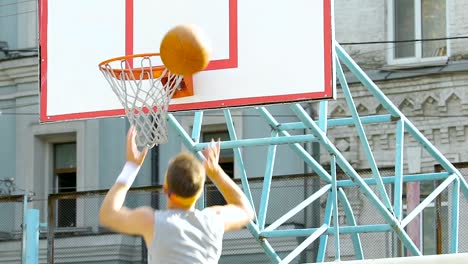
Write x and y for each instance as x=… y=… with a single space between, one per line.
x=185 y=175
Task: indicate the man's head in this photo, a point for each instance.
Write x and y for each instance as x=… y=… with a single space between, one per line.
x=185 y=176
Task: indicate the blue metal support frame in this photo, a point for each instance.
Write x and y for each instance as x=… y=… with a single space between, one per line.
x=333 y=189
x=394 y=111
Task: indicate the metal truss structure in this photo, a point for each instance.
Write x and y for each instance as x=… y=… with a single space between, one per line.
x=390 y=209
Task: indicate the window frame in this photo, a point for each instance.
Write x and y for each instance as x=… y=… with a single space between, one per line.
x=417 y=60
x=45 y=136
x=57 y=174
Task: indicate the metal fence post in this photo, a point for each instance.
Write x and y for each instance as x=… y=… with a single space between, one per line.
x=23 y=229
x=51 y=230
x=32 y=236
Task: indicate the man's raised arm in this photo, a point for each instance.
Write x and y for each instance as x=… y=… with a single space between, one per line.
x=113 y=214
x=237 y=212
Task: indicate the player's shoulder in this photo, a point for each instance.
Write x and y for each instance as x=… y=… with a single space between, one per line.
x=146 y=212
x=213 y=219
x=212 y=212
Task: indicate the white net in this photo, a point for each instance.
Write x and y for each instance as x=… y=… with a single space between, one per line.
x=145 y=91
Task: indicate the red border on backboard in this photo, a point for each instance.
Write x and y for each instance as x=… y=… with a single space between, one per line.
x=231 y=62
x=43 y=59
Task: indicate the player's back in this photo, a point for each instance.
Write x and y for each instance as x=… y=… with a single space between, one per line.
x=186 y=237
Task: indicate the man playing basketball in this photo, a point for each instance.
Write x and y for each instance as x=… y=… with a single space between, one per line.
x=180 y=234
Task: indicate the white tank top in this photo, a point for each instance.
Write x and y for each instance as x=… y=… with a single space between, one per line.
x=186 y=237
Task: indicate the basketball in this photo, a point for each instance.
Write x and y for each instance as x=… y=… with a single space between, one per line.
x=184 y=50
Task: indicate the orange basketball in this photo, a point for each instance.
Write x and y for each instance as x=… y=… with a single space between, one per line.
x=184 y=50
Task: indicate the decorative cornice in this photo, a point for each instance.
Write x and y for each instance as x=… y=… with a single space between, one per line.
x=17 y=71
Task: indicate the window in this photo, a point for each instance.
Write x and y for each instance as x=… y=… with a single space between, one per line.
x=435 y=220
x=434 y=225
x=418 y=19
x=226 y=160
x=65 y=181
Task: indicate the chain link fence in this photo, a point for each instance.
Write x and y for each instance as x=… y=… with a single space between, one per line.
x=75 y=236
x=11 y=228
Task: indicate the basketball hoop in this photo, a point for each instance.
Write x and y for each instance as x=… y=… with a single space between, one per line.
x=144 y=90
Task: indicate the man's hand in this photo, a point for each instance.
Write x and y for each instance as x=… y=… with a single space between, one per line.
x=133 y=154
x=211 y=161
x=237 y=212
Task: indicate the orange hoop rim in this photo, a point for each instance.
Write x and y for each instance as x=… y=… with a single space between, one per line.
x=106 y=68
x=126 y=57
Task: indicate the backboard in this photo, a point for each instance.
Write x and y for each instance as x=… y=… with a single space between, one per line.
x=263 y=51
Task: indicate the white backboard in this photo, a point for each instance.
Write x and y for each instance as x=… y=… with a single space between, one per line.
x=263 y=51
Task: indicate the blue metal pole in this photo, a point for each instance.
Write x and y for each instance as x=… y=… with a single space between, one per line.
x=376 y=228
x=196 y=132
x=298 y=208
x=406 y=178
x=316 y=167
x=183 y=134
x=435 y=153
x=362 y=136
x=336 y=122
x=336 y=223
x=239 y=160
x=267 y=184
x=23 y=229
x=284 y=140
x=197 y=125
x=428 y=200
x=364 y=79
x=398 y=186
x=323 y=115
x=322 y=250
x=264 y=243
x=305 y=244
x=348 y=210
x=347 y=121
x=32 y=237
x=455 y=216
